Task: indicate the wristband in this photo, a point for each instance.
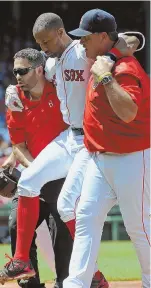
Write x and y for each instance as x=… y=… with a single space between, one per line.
x=100 y=78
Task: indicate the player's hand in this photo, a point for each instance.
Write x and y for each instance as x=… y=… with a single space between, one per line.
x=12 y=99
x=127 y=45
x=101 y=66
x=50 y=69
x=10 y=162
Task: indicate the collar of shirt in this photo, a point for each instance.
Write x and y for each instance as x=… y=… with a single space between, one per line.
x=74 y=42
x=29 y=102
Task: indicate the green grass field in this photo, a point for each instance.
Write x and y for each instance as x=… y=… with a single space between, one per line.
x=117 y=260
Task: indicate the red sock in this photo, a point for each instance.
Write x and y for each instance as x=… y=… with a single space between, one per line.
x=97 y=274
x=27 y=217
x=71 y=226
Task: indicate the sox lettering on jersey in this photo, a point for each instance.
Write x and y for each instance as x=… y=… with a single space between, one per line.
x=73 y=75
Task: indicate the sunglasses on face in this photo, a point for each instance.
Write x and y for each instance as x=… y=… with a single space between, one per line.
x=22 y=71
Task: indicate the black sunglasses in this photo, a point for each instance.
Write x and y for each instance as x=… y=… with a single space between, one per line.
x=22 y=71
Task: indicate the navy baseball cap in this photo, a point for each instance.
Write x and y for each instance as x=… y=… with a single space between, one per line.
x=95 y=21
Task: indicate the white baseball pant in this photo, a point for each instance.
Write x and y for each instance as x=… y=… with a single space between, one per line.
x=108 y=179
x=53 y=163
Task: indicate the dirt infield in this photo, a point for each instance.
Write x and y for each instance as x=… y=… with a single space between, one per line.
x=127 y=284
x=122 y=284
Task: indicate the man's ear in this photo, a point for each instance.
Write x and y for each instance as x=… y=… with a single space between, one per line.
x=60 y=32
x=40 y=70
x=103 y=36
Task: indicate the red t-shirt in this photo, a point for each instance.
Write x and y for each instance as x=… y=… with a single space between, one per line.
x=39 y=122
x=104 y=130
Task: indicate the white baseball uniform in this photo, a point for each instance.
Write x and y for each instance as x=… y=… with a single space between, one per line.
x=72 y=72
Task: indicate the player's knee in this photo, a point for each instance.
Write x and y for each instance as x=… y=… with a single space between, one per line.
x=65 y=209
x=87 y=215
x=85 y=223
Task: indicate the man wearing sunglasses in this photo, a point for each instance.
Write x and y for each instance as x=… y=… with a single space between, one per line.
x=68 y=61
x=36 y=121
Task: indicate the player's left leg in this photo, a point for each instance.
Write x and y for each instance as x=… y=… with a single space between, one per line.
x=133 y=188
x=33 y=282
x=69 y=198
x=71 y=190
x=97 y=198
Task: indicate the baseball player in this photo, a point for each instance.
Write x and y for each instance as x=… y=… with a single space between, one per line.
x=27 y=142
x=117 y=129
x=72 y=70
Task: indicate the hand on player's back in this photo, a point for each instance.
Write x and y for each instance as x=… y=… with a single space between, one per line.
x=127 y=45
x=102 y=66
x=12 y=100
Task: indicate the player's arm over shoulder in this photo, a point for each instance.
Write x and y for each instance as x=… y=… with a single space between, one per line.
x=50 y=69
x=12 y=99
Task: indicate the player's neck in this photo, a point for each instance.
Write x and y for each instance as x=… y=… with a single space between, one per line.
x=66 y=42
x=37 y=91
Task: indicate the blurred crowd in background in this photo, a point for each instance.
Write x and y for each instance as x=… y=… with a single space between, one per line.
x=10 y=46
x=11 y=43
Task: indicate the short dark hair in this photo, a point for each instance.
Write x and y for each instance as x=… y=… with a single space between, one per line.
x=47 y=21
x=34 y=56
x=113 y=36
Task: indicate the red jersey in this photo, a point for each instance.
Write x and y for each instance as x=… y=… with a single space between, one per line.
x=104 y=130
x=39 y=122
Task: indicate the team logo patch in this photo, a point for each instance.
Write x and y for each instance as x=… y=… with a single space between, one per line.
x=50 y=103
x=16 y=104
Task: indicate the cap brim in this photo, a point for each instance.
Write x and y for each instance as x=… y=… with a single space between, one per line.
x=79 y=32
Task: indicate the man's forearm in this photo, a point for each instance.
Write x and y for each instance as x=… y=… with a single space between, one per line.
x=22 y=155
x=10 y=162
x=120 y=101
